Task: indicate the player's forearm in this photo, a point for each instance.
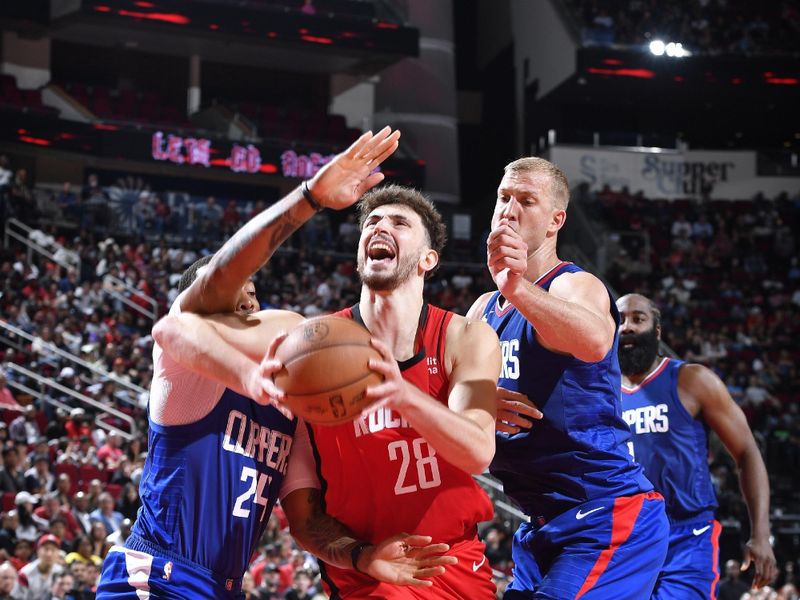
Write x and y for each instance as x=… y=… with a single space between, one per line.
x=246 y=252
x=321 y=534
x=194 y=344
x=565 y=326
x=462 y=439
x=754 y=483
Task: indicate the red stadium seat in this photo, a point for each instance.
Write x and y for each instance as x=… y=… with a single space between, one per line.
x=8 y=501
x=114 y=489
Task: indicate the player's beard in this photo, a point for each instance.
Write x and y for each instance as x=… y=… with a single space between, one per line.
x=638 y=358
x=386 y=281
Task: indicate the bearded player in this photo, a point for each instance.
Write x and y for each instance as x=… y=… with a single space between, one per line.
x=407 y=463
x=669 y=405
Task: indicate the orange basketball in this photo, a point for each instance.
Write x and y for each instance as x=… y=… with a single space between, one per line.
x=325 y=369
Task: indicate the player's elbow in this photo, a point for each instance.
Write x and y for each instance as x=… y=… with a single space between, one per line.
x=161 y=330
x=594 y=350
x=481 y=457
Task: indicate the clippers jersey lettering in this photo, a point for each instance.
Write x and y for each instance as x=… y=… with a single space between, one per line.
x=579 y=451
x=670 y=444
x=209 y=487
x=380 y=477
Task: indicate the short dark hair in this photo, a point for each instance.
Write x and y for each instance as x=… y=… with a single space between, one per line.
x=190 y=274
x=413 y=199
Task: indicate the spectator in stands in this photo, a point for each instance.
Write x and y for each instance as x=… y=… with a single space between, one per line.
x=27 y=529
x=119 y=538
x=39 y=479
x=99 y=538
x=7 y=400
x=9 y=588
x=12 y=478
x=23 y=551
x=61 y=588
x=732 y=587
x=38 y=577
x=210 y=215
x=83 y=551
x=58 y=527
x=80 y=510
x=8 y=532
x=24 y=428
x=50 y=509
x=63 y=489
x=110 y=453
x=301 y=586
x=129 y=501
x=21 y=199
x=105 y=514
x=68 y=202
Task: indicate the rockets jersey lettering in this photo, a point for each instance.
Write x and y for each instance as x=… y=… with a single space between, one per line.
x=208 y=487
x=670 y=444
x=380 y=477
x=579 y=450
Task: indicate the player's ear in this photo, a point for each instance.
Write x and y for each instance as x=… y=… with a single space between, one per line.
x=429 y=260
x=658 y=332
x=558 y=219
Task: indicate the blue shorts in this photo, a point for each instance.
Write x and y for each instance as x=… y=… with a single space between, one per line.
x=605 y=548
x=137 y=575
x=691 y=570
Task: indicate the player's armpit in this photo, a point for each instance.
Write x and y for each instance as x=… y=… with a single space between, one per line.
x=475 y=311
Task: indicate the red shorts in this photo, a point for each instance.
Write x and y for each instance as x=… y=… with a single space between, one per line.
x=470 y=579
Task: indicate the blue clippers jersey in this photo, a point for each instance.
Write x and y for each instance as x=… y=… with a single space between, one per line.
x=578 y=451
x=669 y=443
x=208 y=487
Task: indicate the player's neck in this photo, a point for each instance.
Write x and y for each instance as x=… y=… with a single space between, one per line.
x=635 y=379
x=393 y=317
x=541 y=260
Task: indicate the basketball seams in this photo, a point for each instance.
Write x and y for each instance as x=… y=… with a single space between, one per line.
x=334 y=389
x=316 y=348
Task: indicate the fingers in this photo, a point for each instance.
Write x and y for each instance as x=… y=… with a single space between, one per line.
x=519 y=407
x=357 y=146
x=745 y=560
x=418 y=540
x=273 y=347
x=382 y=349
x=370 y=182
x=513 y=419
x=503 y=427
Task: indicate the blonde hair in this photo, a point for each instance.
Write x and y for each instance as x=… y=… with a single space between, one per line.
x=559 y=186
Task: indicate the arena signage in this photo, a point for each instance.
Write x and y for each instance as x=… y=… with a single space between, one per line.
x=657 y=173
x=198 y=151
x=303 y=166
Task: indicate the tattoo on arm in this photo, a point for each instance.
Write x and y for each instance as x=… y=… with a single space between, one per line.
x=332 y=541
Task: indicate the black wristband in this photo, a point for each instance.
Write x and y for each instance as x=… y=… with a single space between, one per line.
x=355 y=553
x=309 y=198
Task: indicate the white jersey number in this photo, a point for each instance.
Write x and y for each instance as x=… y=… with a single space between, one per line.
x=427 y=466
x=259 y=483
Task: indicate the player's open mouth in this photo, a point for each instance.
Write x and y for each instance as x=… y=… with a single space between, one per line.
x=381 y=250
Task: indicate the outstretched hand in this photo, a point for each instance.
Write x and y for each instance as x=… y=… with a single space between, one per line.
x=260 y=383
x=406 y=560
x=351 y=174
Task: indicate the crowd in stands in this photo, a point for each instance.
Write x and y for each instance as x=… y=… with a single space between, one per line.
x=701 y=26
x=724 y=273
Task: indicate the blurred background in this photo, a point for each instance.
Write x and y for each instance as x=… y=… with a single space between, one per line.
x=136 y=136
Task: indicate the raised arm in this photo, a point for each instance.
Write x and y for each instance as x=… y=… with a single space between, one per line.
x=699 y=386
x=462 y=432
x=337 y=185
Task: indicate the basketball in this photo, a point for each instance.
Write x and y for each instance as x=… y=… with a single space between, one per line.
x=325 y=369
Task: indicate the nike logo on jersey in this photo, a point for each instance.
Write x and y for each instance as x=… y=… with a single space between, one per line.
x=703 y=530
x=579 y=515
x=476 y=566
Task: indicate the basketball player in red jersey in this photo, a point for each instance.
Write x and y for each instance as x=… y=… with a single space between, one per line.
x=406 y=464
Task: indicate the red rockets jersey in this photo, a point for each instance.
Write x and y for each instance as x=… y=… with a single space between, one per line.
x=380 y=477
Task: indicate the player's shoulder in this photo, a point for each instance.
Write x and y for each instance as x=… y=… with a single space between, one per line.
x=478 y=307
x=698 y=381
x=467 y=330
